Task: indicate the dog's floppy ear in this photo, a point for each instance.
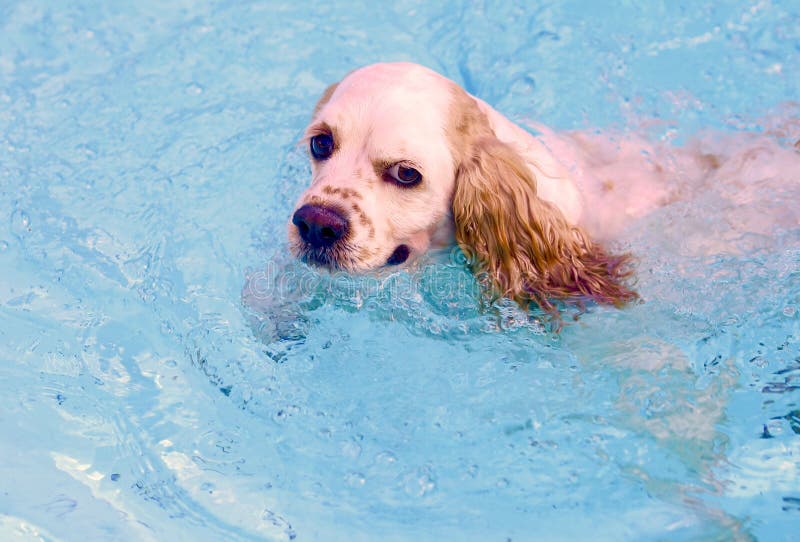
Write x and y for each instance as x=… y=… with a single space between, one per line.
x=521 y=246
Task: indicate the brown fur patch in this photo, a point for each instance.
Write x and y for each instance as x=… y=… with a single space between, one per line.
x=363 y=219
x=380 y=167
x=467 y=124
x=711 y=161
x=324 y=99
x=365 y=253
x=316 y=200
x=344 y=193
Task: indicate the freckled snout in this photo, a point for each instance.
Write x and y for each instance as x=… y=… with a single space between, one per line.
x=320 y=226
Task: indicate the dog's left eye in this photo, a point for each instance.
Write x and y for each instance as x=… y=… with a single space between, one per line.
x=404 y=175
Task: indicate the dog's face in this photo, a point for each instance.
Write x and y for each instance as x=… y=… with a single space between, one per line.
x=382 y=171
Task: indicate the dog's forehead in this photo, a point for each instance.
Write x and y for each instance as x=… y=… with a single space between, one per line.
x=410 y=79
x=390 y=94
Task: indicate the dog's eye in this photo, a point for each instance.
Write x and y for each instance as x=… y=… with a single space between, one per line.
x=404 y=175
x=321 y=146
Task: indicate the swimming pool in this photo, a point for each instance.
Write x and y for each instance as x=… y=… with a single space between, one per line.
x=147 y=170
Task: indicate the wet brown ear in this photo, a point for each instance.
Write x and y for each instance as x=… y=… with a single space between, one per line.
x=521 y=246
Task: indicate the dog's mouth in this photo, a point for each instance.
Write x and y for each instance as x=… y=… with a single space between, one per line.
x=325 y=257
x=335 y=259
x=399 y=256
x=318 y=258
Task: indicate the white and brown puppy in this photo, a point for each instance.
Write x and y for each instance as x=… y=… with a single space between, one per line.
x=404 y=160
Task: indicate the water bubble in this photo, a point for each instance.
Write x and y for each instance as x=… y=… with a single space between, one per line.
x=457 y=257
x=386 y=458
x=351 y=449
x=194 y=89
x=20 y=222
x=167 y=328
x=355 y=479
x=419 y=482
x=207 y=487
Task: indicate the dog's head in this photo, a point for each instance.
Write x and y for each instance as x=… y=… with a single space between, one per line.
x=403 y=159
x=383 y=172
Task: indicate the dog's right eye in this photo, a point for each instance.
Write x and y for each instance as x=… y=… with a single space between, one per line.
x=404 y=175
x=321 y=146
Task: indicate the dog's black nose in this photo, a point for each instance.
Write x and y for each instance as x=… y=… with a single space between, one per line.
x=320 y=226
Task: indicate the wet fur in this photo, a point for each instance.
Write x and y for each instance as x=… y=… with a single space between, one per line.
x=519 y=245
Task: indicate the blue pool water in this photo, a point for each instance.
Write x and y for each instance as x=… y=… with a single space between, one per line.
x=147 y=168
